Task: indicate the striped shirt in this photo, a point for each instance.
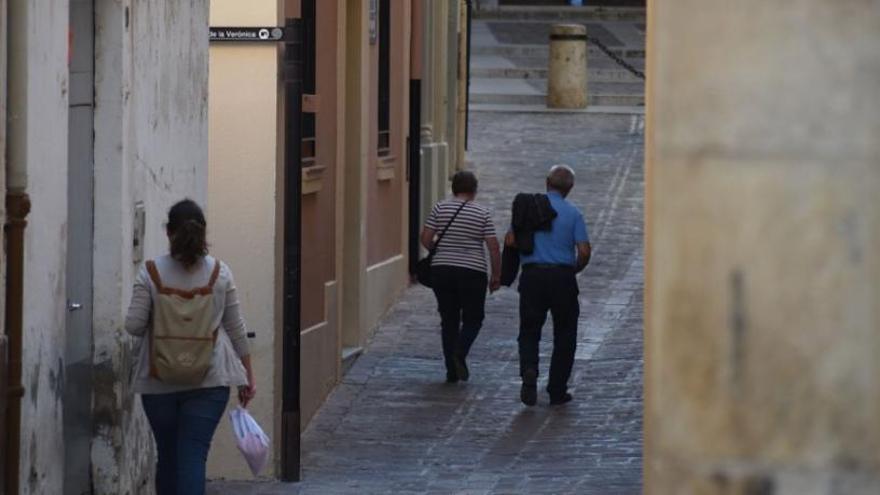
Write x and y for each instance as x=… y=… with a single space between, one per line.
x=464 y=244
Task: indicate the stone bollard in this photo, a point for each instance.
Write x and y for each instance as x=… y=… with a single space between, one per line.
x=567 y=78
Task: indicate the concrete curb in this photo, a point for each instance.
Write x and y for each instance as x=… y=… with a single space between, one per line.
x=593 y=75
x=539 y=99
x=564 y=13
x=544 y=50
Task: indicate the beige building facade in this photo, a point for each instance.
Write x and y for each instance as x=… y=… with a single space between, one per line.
x=361 y=60
x=763 y=221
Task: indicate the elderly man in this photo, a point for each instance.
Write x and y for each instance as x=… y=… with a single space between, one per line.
x=548 y=283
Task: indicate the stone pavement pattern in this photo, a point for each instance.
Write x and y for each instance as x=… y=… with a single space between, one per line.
x=394 y=426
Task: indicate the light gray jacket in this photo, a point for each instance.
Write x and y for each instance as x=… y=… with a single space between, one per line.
x=231 y=345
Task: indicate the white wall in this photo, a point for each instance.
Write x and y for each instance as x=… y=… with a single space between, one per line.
x=151 y=146
x=40 y=142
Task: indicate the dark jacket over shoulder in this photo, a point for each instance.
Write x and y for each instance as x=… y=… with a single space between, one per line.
x=530 y=213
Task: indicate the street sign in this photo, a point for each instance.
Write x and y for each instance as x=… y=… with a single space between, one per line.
x=267 y=34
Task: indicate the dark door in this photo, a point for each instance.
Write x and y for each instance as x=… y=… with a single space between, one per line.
x=78 y=351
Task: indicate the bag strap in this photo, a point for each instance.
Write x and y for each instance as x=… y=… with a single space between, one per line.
x=154 y=274
x=153 y=271
x=440 y=237
x=214 y=275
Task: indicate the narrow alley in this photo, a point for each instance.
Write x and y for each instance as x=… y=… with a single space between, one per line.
x=394 y=426
x=725 y=159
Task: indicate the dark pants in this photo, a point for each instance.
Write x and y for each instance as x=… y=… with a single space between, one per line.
x=551 y=289
x=461 y=301
x=183 y=425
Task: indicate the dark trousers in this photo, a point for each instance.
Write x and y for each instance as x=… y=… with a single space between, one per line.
x=461 y=301
x=553 y=289
x=183 y=425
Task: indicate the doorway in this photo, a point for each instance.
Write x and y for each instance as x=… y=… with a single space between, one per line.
x=80 y=208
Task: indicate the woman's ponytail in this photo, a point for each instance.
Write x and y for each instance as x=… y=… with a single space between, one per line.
x=188 y=233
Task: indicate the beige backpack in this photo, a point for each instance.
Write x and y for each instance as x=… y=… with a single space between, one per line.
x=182 y=340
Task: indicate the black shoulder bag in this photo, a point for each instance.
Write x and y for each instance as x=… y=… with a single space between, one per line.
x=423 y=268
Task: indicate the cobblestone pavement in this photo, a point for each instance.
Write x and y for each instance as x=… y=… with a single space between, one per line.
x=393 y=426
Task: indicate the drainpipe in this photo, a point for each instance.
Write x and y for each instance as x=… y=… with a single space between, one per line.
x=18 y=206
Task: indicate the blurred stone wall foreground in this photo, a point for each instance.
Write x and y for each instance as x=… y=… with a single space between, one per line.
x=763 y=223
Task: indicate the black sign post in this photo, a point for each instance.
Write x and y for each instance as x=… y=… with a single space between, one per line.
x=292 y=88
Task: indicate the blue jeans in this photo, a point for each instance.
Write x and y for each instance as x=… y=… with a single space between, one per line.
x=183 y=425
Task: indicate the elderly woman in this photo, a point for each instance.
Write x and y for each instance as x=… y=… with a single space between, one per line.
x=459 y=272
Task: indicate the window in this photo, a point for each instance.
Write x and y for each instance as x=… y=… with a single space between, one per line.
x=384 y=115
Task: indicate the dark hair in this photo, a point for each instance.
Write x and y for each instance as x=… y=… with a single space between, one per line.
x=186 y=228
x=464 y=182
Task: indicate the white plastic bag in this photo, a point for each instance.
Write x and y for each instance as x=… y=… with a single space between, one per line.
x=252 y=442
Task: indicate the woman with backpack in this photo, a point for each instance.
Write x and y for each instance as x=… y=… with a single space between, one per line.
x=194 y=348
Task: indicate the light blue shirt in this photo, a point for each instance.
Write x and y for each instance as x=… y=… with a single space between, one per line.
x=558 y=245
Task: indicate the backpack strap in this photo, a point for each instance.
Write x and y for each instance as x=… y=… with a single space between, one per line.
x=157 y=281
x=154 y=274
x=214 y=275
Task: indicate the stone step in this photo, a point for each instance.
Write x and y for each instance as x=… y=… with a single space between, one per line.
x=563 y=13
x=511 y=62
x=542 y=108
x=593 y=75
x=543 y=51
x=628 y=100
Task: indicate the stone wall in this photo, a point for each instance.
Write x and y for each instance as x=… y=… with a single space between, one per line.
x=763 y=218
x=38 y=141
x=150 y=148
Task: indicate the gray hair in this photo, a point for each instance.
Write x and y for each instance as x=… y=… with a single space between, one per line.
x=560 y=178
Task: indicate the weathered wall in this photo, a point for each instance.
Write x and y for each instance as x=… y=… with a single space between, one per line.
x=38 y=131
x=763 y=224
x=150 y=147
x=242 y=191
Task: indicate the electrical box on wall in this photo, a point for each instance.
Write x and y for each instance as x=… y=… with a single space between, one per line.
x=139 y=227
